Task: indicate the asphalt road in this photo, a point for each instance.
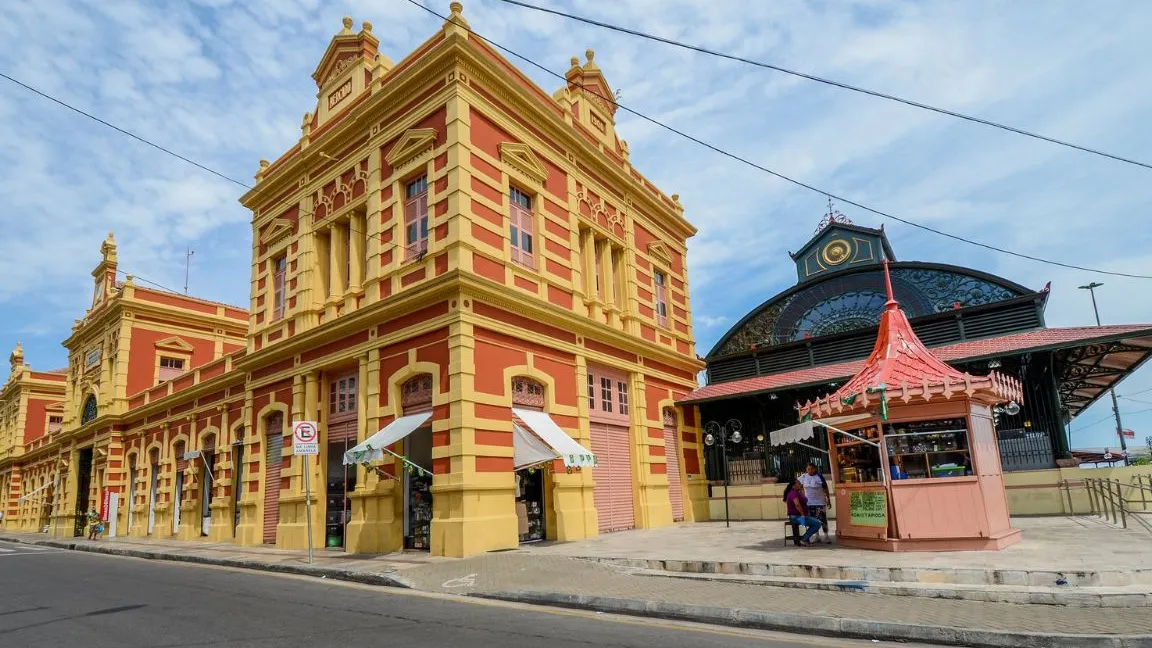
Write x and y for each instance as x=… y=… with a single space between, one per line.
x=57 y=598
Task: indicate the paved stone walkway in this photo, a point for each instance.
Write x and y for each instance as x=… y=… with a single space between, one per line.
x=1049 y=544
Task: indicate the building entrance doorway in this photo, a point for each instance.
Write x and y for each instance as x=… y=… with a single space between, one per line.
x=153 y=491
x=340 y=482
x=207 y=490
x=83 y=486
x=530 y=504
x=417 y=489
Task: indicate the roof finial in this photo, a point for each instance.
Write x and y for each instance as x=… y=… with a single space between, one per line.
x=347 y=25
x=891 y=304
x=832 y=216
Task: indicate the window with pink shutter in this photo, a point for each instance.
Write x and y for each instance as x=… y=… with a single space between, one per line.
x=416 y=217
x=521 y=228
x=170 y=368
x=279 y=286
x=659 y=279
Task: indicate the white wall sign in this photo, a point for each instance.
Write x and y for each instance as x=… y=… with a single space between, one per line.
x=305 y=438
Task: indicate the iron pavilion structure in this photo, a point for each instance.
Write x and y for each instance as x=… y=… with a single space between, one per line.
x=810 y=338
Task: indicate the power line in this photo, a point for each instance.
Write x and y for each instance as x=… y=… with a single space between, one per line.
x=798 y=183
x=1109 y=417
x=1136 y=400
x=121 y=130
x=831 y=82
x=638 y=114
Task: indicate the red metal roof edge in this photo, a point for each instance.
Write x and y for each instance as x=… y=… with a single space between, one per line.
x=842 y=370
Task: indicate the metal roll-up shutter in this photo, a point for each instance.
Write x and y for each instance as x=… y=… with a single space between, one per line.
x=274 y=443
x=613 y=477
x=181 y=462
x=341 y=432
x=675 y=486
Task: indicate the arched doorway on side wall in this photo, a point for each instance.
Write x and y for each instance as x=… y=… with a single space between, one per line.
x=532 y=481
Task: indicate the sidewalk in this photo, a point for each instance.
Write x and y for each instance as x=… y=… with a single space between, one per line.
x=533 y=577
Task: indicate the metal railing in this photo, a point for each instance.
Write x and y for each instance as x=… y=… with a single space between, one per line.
x=1108 y=499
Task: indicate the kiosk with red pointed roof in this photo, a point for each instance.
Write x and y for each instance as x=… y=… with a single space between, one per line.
x=915 y=460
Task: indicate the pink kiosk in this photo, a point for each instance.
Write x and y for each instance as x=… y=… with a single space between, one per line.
x=915 y=460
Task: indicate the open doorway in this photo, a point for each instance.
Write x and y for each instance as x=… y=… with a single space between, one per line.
x=83 y=486
x=418 y=490
x=207 y=484
x=153 y=489
x=178 y=489
x=339 y=479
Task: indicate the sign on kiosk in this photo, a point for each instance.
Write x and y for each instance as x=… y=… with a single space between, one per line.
x=305 y=438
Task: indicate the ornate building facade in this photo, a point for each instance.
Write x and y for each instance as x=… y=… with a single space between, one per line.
x=447 y=248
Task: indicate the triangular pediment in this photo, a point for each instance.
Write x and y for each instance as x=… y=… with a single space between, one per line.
x=521 y=157
x=174 y=344
x=659 y=252
x=411 y=145
x=345 y=50
x=277 y=229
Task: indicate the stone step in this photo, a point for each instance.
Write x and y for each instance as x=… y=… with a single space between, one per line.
x=896 y=575
x=1131 y=596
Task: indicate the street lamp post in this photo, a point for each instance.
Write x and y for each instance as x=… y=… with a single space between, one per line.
x=1091 y=288
x=716 y=433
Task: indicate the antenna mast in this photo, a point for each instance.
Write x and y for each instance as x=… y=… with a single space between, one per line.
x=187 y=267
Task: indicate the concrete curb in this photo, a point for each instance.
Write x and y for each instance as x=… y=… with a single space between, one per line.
x=826 y=626
x=895 y=575
x=1021 y=595
x=367 y=578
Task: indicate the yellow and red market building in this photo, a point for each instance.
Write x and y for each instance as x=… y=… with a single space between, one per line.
x=446 y=243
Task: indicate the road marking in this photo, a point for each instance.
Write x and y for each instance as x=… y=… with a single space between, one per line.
x=3 y=550
x=463 y=581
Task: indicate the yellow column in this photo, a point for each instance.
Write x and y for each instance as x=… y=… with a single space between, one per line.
x=608 y=283
x=220 y=528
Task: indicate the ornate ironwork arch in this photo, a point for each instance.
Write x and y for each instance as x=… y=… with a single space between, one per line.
x=853 y=299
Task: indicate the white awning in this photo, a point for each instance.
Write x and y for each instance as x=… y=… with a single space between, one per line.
x=807 y=429
x=372 y=449
x=573 y=454
x=528 y=449
x=793 y=433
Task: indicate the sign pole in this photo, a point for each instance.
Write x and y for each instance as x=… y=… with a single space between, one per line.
x=305 y=444
x=308 y=504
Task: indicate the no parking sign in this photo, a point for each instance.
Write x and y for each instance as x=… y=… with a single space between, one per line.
x=305 y=438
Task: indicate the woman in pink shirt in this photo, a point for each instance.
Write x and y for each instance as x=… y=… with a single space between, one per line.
x=798 y=511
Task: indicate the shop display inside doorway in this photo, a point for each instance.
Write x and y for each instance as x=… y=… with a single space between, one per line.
x=530 y=504
x=419 y=511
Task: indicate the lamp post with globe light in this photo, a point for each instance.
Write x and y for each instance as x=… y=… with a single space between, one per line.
x=715 y=433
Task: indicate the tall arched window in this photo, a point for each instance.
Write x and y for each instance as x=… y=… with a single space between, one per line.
x=89 y=413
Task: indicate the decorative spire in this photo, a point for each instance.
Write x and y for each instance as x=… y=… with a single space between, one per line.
x=833 y=215
x=456 y=14
x=17 y=357
x=108 y=248
x=891 y=304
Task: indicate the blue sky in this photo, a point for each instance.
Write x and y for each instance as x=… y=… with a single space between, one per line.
x=226 y=83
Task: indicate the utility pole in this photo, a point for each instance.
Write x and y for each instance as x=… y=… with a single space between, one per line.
x=1091 y=288
x=187 y=267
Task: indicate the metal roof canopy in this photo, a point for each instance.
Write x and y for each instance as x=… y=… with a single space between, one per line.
x=1093 y=360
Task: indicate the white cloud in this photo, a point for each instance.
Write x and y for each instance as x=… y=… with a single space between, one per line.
x=226 y=83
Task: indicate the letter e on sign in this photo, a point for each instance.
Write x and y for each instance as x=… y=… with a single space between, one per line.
x=305 y=438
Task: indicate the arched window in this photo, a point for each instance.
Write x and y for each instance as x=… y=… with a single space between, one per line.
x=89 y=413
x=416 y=393
x=527 y=393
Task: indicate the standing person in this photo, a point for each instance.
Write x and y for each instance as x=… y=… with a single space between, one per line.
x=816 y=490
x=93 y=523
x=798 y=512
